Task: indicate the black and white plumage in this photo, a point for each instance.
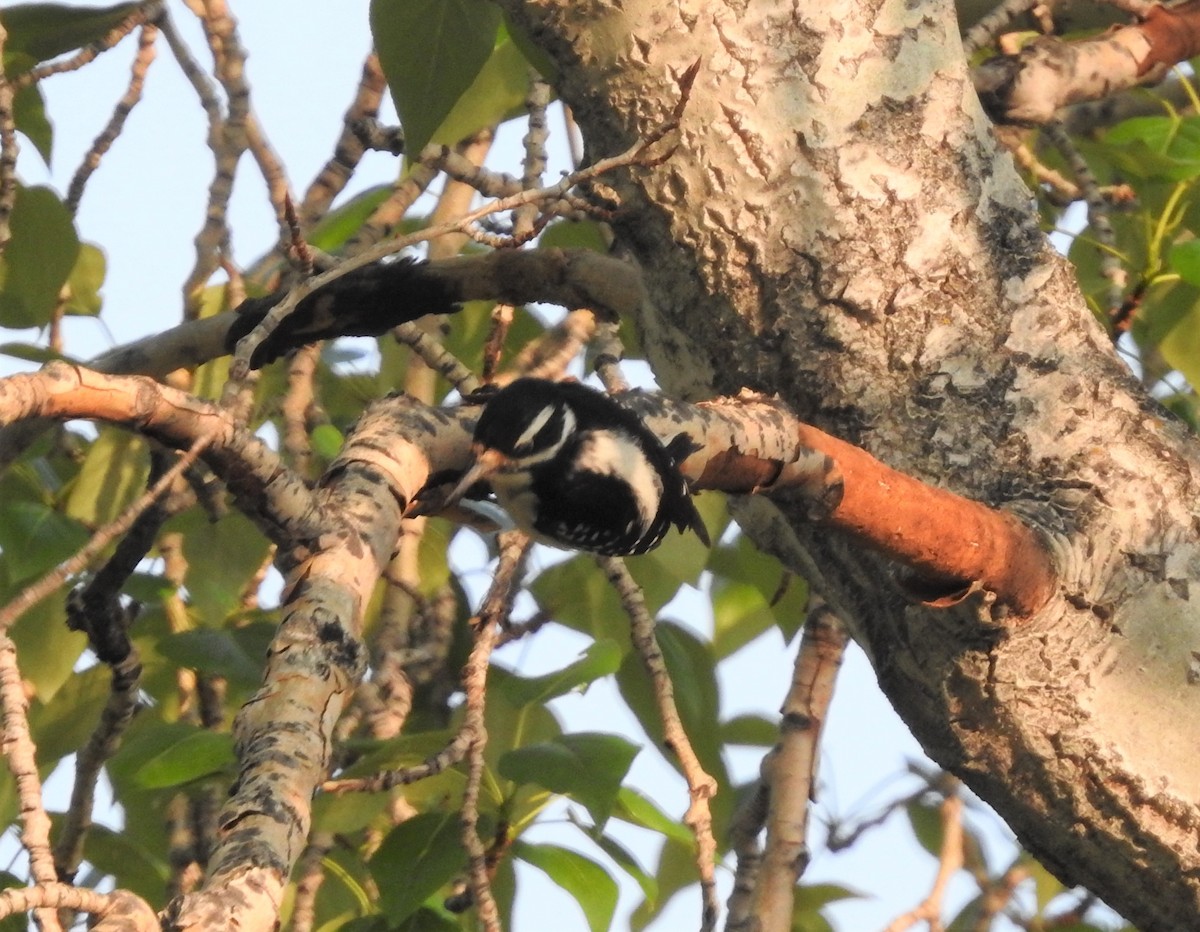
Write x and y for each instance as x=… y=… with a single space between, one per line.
x=575 y=469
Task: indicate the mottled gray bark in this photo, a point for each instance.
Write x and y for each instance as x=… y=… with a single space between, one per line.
x=960 y=352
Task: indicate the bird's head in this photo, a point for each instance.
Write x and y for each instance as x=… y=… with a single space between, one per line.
x=523 y=424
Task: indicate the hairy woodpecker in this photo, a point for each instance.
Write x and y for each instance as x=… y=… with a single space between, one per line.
x=575 y=469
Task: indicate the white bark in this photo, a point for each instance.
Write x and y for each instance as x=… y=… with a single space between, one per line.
x=962 y=354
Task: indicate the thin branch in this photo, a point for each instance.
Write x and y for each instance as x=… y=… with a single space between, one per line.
x=1098 y=214
x=348 y=150
x=21 y=754
x=35 y=592
x=744 y=830
x=493 y=614
x=990 y=26
x=701 y=786
x=299 y=406
x=437 y=357
x=8 y=153
x=227 y=139
x=789 y=771
x=534 y=163
x=950 y=861
x=126 y=912
x=310 y=875
x=123 y=699
x=133 y=94
x=635 y=153
x=142 y=16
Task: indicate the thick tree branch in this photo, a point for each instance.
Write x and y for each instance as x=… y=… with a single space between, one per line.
x=1049 y=73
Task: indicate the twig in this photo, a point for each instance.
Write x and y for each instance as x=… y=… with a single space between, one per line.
x=101 y=745
x=493 y=614
x=747 y=823
x=534 y=164
x=139 y=917
x=348 y=151
x=701 y=786
x=133 y=94
x=205 y=91
x=301 y=252
x=275 y=316
x=990 y=26
x=21 y=753
x=35 y=592
x=502 y=318
x=227 y=139
x=299 y=405
x=949 y=862
x=437 y=357
x=790 y=769
x=8 y=153
x=609 y=353
x=310 y=874
x=550 y=353
x=142 y=16
x=1098 y=212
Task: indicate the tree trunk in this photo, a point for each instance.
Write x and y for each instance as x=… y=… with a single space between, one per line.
x=839 y=226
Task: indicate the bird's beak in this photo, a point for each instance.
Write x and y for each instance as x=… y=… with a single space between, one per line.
x=486 y=463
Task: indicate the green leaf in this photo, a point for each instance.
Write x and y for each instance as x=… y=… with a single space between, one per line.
x=811 y=899
x=210 y=378
x=38 y=259
x=29 y=115
x=690 y=664
x=1184 y=259
x=85 y=281
x=926 y=822
x=45 y=30
x=197 y=755
x=35 y=538
x=628 y=863
x=222 y=558
x=575 y=593
x=117 y=854
x=586 y=766
x=62 y=722
x=418 y=858
x=600 y=659
x=348 y=812
x=46 y=648
x=346 y=892
x=211 y=651
x=588 y=882
x=1157 y=147
x=676 y=870
x=341 y=223
x=636 y=809
x=1180 y=346
x=574 y=234
x=1046 y=885
x=113 y=475
x=431 y=51
x=497 y=94
x=753 y=730
x=327 y=441
x=751 y=592
x=30 y=352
